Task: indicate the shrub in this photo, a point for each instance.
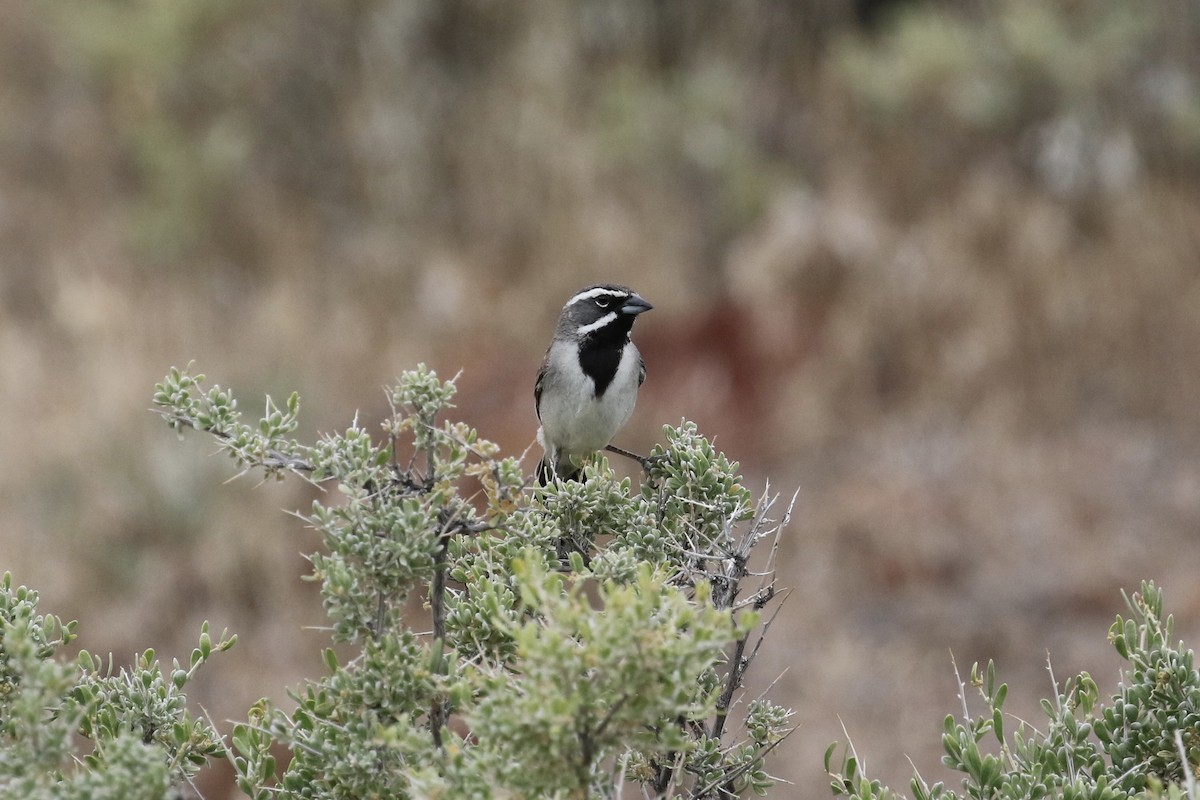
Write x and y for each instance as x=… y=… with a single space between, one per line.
x=138 y=738
x=518 y=674
x=1144 y=742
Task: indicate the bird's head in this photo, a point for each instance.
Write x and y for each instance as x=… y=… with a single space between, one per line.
x=603 y=310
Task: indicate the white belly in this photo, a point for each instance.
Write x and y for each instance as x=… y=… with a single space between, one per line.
x=590 y=425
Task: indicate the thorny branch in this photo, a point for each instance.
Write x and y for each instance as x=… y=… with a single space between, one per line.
x=727 y=586
x=403 y=481
x=272 y=461
x=451 y=523
x=735 y=572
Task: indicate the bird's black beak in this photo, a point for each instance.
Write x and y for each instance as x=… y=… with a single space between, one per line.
x=635 y=305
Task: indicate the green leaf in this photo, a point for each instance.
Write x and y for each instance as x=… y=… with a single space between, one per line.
x=1001 y=694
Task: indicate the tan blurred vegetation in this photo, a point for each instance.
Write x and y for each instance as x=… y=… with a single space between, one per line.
x=938 y=265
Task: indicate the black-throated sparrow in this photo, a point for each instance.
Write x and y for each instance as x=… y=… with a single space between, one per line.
x=589 y=380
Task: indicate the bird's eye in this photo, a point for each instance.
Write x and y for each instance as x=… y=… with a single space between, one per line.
x=603 y=302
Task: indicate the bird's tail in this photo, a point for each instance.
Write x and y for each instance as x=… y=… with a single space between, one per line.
x=566 y=471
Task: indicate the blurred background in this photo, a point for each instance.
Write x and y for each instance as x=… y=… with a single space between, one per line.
x=935 y=264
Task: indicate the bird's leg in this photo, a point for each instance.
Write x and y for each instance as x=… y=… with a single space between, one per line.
x=645 y=461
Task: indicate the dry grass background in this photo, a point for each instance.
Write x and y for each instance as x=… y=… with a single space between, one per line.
x=939 y=267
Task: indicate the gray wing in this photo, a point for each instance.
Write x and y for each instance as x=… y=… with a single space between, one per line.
x=641 y=370
x=537 y=392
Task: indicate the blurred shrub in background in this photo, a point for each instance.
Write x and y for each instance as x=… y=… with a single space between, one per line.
x=1085 y=97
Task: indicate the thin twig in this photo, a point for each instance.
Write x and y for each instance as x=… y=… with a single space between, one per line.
x=726 y=781
x=732 y=681
x=642 y=460
x=962 y=689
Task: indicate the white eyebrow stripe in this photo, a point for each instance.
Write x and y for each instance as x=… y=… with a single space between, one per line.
x=584 y=330
x=599 y=291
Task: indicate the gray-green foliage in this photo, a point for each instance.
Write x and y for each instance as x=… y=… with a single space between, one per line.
x=137 y=738
x=522 y=675
x=1143 y=743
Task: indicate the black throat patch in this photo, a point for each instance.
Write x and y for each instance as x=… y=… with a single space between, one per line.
x=600 y=351
x=599 y=361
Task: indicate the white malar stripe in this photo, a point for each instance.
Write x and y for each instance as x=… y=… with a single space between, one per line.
x=584 y=330
x=599 y=291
